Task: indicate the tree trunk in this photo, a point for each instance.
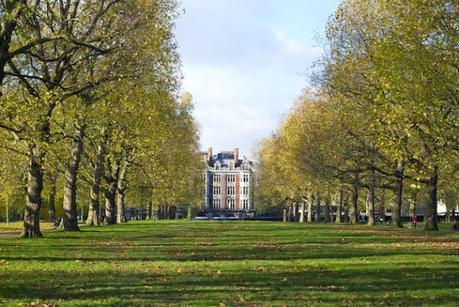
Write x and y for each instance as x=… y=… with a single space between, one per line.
x=354 y=206
x=346 y=209
x=31 y=226
x=121 y=192
x=70 y=214
x=371 y=199
x=110 y=192
x=94 y=207
x=302 y=211
x=382 y=205
x=317 y=201
x=431 y=208
x=120 y=207
x=310 y=202
x=82 y=214
x=294 y=212
x=110 y=211
x=397 y=208
x=101 y=216
x=339 y=205
x=327 y=209
x=413 y=201
x=52 y=200
x=150 y=210
x=110 y=204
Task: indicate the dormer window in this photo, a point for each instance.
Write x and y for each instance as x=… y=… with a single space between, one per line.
x=217 y=165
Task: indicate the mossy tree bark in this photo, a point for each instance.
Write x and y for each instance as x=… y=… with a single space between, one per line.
x=70 y=213
x=94 y=207
x=110 y=204
x=31 y=226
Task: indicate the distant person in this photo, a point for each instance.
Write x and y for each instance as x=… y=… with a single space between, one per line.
x=413 y=221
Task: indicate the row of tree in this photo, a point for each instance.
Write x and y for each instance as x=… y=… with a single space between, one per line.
x=382 y=116
x=90 y=109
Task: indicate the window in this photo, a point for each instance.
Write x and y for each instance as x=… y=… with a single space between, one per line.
x=230 y=190
x=231 y=178
x=245 y=191
x=217 y=190
x=245 y=204
x=231 y=203
x=217 y=203
x=217 y=178
x=245 y=178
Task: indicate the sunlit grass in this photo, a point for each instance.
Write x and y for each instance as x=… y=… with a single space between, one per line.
x=232 y=263
x=17 y=226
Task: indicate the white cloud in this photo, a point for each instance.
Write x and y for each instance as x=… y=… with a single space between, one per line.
x=295 y=47
x=243 y=69
x=235 y=107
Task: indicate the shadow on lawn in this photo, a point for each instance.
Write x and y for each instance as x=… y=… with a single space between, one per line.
x=364 y=286
x=213 y=252
x=246 y=255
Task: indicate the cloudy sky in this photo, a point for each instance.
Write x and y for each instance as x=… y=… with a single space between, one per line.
x=245 y=61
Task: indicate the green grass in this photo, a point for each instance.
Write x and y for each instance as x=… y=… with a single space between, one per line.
x=232 y=263
x=17 y=226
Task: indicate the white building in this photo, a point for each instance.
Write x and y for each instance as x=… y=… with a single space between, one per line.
x=228 y=184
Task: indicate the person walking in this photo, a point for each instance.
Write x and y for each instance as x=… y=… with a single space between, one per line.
x=413 y=221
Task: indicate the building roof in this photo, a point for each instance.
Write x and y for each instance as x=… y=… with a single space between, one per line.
x=225 y=158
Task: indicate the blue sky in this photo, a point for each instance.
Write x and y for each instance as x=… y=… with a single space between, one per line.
x=245 y=61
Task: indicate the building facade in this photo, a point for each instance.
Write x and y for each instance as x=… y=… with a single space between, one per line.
x=228 y=184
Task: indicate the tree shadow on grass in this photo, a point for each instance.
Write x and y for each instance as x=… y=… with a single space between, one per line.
x=363 y=285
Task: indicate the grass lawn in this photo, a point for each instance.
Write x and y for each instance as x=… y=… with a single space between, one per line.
x=232 y=263
x=17 y=226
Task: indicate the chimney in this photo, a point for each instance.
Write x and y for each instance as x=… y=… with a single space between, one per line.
x=236 y=155
x=209 y=154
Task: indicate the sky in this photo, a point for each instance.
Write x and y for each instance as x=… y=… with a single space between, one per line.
x=245 y=62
